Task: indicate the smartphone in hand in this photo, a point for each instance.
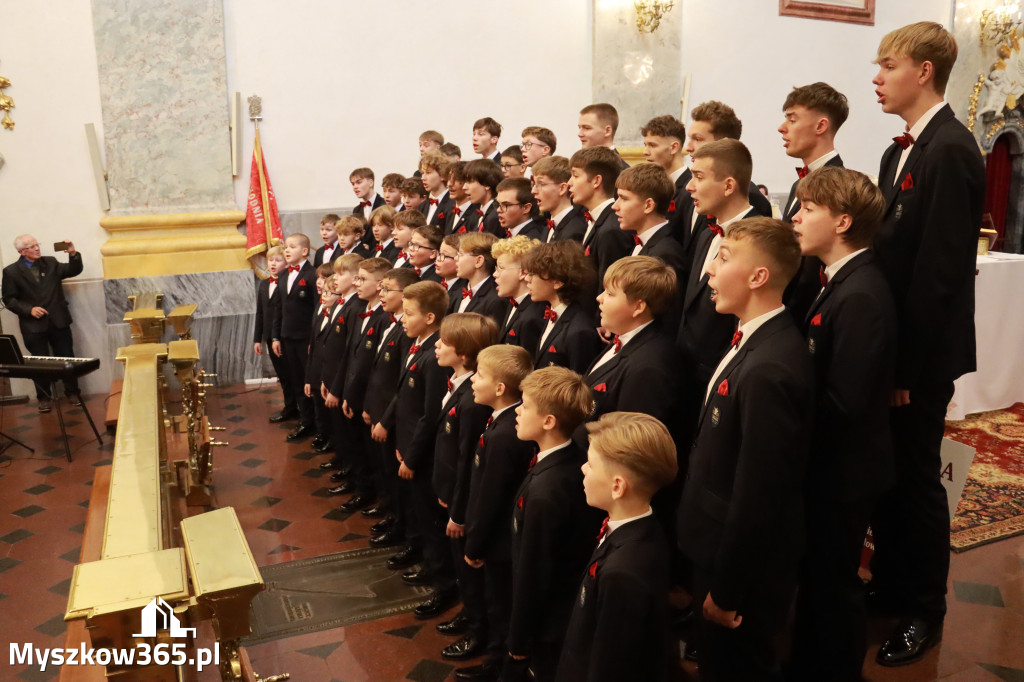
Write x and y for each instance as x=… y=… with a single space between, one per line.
x=60 y=246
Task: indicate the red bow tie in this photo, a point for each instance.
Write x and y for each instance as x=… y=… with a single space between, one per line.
x=414 y=349
x=550 y=314
x=904 y=140
x=604 y=529
x=489 y=420
x=444 y=283
x=273 y=280
x=715 y=227
x=737 y=335
x=823 y=276
x=551 y=224
x=380 y=247
x=480 y=213
x=457 y=211
x=451 y=386
x=586 y=216
x=327 y=311
x=533 y=463
x=364 y=203
x=637 y=240
x=802 y=172
x=433 y=202
x=418 y=271
x=513 y=302
x=401 y=255
x=293 y=268
x=508 y=234
x=617 y=343
x=467 y=293
x=392 y=318
x=363 y=316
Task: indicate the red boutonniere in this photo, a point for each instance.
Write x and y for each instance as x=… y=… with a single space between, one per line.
x=481 y=443
x=551 y=349
x=462 y=230
x=413 y=368
x=672 y=206
x=723 y=388
x=519 y=503
x=440 y=216
x=592 y=571
x=451 y=412
x=587 y=251
x=908 y=183
x=511 y=332
x=391 y=343
x=302 y=282
x=816 y=320
x=601 y=388
x=369 y=332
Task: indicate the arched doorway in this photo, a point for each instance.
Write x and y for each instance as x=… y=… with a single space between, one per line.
x=1004 y=195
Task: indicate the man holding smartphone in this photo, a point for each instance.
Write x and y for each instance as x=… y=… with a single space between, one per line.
x=32 y=289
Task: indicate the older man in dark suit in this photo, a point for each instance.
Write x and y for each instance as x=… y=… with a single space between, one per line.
x=32 y=289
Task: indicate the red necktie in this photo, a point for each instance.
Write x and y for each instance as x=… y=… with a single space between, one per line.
x=457 y=211
x=293 y=268
x=714 y=226
x=604 y=529
x=467 y=293
x=737 y=335
x=637 y=240
x=451 y=386
x=550 y=314
x=551 y=224
x=533 y=463
x=364 y=204
x=802 y=172
x=433 y=202
x=618 y=344
x=586 y=216
x=273 y=280
x=414 y=349
x=904 y=140
x=823 y=276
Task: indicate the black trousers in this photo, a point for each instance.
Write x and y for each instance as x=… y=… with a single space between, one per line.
x=911 y=522
x=321 y=413
x=55 y=341
x=288 y=393
x=830 y=639
x=472 y=589
x=340 y=435
x=294 y=353
x=498 y=592
x=431 y=519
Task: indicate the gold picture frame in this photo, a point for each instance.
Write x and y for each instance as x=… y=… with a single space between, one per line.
x=847 y=11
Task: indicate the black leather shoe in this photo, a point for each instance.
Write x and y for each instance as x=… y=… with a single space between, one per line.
x=404 y=559
x=323 y=448
x=388 y=538
x=345 y=470
x=485 y=672
x=419 y=577
x=464 y=649
x=318 y=440
x=358 y=501
x=456 y=626
x=327 y=466
x=382 y=526
x=338 y=475
x=300 y=433
x=283 y=416
x=343 y=489
x=75 y=399
x=691 y=653
x=909 y=642
x=377 y=511
x=438 y=603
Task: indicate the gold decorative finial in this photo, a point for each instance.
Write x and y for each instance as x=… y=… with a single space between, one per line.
x=6 y=104
x=255 y=108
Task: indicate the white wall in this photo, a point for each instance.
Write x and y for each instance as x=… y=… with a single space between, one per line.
x=753 y=62
x=344 y=88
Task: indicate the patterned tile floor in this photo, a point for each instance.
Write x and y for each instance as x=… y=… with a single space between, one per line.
x=279 y=495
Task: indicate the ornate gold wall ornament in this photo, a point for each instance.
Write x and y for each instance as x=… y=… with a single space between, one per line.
x=6 y=104
x=650 y=12
x=998 y=24
x=994 y=129
x=972 y=109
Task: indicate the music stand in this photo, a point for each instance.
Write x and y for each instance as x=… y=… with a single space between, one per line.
x=10 y=353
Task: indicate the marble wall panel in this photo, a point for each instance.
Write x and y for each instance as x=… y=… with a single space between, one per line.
x=216 y=293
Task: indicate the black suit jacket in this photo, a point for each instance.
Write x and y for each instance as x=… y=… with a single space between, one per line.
x=362 y=350
x=741 y=516
x=485 y=302
x=21 y=292
x=362 y=248
x=464 y=222
x=266 y=310
x=336 y=346
x=851 y=334
x=500 y=463
x=459 y=426
x=525 y=326
x=297 y=306
x=429 y=274
x=378 y=201
x=444 y=209
x=389 y=252
x=318 y=257
x=573 y=226
x=680 y=209
x=416 y=408
x=534 y=230
x=384 y=370
x=553 y=533
x=618 y=629
x=927 y=246
x=318 y=336
x=665 y=246
x=573 y=341
x=762 y=206
x=789 y=211
x=489 y=221
x=607 y=243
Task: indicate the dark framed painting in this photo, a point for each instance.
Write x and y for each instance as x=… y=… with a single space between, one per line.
x=849 y=11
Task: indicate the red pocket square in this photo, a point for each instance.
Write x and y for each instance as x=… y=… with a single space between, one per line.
x=462 y=230
x=551 y=349
x=816 y=320
x=592 y=570
x=908 y=183
x=369 y=332
x=302 y=282
x=481 y=443
x=451 y=412
x=587 y=252
x=440 y=216
x=601 y=387
x=672 y=206
x=391 y=343
x=511 y=332
x=413 y=368
x=519 y=503
x=723 y=388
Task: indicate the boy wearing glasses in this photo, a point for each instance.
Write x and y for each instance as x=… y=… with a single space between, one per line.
x=475 y=264
x=512 y=165
x=516 y=208
x=446 y=266
x=537 y=143
x=551 y=189
x=423 y=252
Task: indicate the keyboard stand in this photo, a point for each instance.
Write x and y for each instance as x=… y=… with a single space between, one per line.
x=10 y=440
x=60 y=419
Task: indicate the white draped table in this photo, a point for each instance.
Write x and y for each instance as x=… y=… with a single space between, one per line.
x=999 y=319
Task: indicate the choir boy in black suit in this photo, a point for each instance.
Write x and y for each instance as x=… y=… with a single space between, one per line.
x=721 y=170
x=933 y=179
x=380 y=389
x=414 y=410
x=382 y=222
x=459 y=425
x=268 y=298
x=537 y=143
x=366 y=332
x=552 y=526
x=423 y=248
x=551 y=189
x=741 y=520
x=517 y=210
x=558 y=277
x=406 y=223
x=482 y=178
x=851 y=334
x=617 y=630
x=644 y=195
x=524 y=322
x=362 y=186
x=318 y=333
x=462 y=218
x=434 y=168
x=414 y=195
x=391 y=186
x=712 y=121
x=512 y=165
x=335 y=353
x=664 y=139
x=351 y=229
x=329 y=233
x=813 y=115
x=500 y=462
x=447 y=266
x=476 y=265
x=486 y=132
x=593 y=174
x=290 y=332
x=596 y=128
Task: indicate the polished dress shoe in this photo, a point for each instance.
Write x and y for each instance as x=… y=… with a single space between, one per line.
x=419 y=577
x=318 y=440
x=327 y=466
x=691 y=653
x=75 y=399
x=438 y=603
x=323 y=448
x=377 y=511
x=388 y=538
x=283 y=416
x=456 y=626
x=300 y=433
x=485 y=672
x=343 y=489
x=338 y=475
x=384 y=525
x=358 y=501
x=404 y=559
x=909 y=642
x=464 y=649
x=44 y=405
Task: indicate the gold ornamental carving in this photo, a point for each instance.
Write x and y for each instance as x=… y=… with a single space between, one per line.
x=6 y=104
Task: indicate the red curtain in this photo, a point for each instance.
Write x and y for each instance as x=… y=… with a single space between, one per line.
x=997 y=190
